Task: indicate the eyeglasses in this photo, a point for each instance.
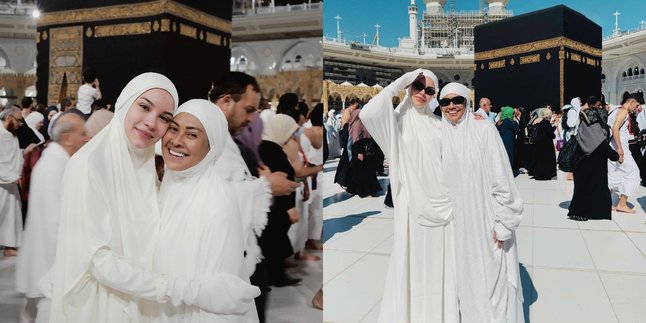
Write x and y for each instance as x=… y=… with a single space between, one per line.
x=419 y=86
x=455 y=100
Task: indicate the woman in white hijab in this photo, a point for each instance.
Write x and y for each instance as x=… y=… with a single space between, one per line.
x=201 y=227
x=35 y=121
x=420 y=284
x=487 y=209
x=110 y=219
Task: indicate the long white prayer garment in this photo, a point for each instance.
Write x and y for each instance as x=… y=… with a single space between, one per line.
x=109 y=218
x=485 y=199
x=201 y=225
x=420 y=284
x=10 y=167
x=38 y=250
x=41 y=229
x=253 y=209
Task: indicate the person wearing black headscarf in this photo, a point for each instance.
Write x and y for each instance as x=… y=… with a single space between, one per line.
x=591 y=198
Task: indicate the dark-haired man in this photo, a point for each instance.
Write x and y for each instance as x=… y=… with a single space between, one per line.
x=89 y=91
x=238 y=96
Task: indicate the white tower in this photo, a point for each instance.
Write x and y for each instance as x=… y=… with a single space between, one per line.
x=338 y=28
x=497 y=7
x=616 y=31
x=435 y=7
x=412 y=12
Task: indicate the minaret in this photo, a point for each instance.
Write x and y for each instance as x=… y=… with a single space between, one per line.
x=412 y=12
x=338 y=28
x=616 y=31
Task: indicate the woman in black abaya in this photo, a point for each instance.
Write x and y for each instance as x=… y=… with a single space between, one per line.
x=544 y=154
x=591 y=199
x=362 y=176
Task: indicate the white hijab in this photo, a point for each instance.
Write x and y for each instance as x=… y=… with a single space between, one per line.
x=109 y=200
x=576 y=104
x=461 y=143
x=433 y=206
x=173 y=200
x=201 y=224
x=279 y=129
x=32 y=120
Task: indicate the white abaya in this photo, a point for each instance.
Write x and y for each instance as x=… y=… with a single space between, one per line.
x=201 y=226
x=485 y=199
x=420 y=284
x=622 y=177
x=11 y=160
x=109 y=223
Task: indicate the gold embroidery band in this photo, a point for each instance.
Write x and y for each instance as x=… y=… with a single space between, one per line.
x=497 y=64
x=188 y=31
x=530 y=59
x=137 y=28
x=145 y=9
x=562 y=76
x=536 y=46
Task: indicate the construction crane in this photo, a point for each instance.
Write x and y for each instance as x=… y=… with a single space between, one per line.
x=376 y=39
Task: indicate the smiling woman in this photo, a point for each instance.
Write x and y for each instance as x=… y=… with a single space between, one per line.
x=185 y=143
x=104 y=261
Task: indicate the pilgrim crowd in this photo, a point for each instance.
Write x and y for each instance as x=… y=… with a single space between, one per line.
x=454 y=255
x=147 y=210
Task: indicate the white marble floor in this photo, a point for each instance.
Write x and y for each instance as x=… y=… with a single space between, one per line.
x=592 y=271
x=285 y=304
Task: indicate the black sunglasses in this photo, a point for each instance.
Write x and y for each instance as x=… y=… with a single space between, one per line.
x=419 y=86
x=455 y=100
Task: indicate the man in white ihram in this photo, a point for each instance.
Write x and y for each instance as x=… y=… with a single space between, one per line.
x=41 y=229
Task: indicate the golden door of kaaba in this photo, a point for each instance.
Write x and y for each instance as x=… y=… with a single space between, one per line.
x=187 y=40
x=539 y=58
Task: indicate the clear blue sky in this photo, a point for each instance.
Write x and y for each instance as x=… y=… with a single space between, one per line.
x=360 y=16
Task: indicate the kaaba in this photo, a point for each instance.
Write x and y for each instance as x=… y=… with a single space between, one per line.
x=544 y=57
x=186 y=40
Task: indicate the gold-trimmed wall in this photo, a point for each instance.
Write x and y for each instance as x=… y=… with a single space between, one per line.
x=306 y=84
x=18 y=82
x=65 y=59
x=138 y=10
x=537 y=46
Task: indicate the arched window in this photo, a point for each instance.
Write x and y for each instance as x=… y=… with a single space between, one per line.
x=630 y=72
x=623 y=74
x=636 y=71
x=297 y=59
x=641 y=71
x=243 y=60
x=603 y=76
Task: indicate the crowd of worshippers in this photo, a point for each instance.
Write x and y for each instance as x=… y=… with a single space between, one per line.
x=601 y=147
x=360 y=158
x=156 y=211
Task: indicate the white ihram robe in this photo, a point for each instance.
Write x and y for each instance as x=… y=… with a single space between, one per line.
x=485 y=199
x=622 y=177
x=420 y=284
x=38 y=250
x=10 y=167
x=201 y=227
